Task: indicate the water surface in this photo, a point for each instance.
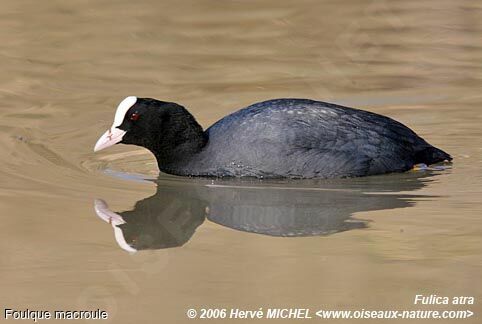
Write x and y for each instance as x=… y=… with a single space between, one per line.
x=368 y=243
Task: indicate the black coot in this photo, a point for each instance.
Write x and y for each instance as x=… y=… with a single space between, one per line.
x=294 y=138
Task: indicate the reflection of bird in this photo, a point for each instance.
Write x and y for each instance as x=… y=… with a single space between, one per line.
x=308 y=211
x=294 y=138
x=170 y=217
x=167 y=219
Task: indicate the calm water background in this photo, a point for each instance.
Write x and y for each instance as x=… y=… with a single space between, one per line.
x=66 y=65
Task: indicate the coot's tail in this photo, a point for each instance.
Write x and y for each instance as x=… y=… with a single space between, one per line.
x=431 y=155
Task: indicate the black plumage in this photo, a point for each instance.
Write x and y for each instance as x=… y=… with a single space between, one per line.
x=296 y=138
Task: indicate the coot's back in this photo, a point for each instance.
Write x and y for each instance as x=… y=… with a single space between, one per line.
x=305 y=138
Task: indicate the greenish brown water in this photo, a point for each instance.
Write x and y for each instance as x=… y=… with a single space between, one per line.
x=374 y=242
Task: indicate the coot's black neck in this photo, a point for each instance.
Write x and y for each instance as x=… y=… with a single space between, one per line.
x=178 y=141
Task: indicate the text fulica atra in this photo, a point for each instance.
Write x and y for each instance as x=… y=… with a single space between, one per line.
x=296 y=138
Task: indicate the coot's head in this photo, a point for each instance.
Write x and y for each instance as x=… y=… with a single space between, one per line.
x=162 y=127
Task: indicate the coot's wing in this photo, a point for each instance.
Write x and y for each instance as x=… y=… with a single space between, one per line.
x=351 y=142
x=305 y=138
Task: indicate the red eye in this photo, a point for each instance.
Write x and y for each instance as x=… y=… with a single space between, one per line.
x=134 y=116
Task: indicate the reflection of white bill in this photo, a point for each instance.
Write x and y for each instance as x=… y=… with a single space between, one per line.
x=103 y=211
